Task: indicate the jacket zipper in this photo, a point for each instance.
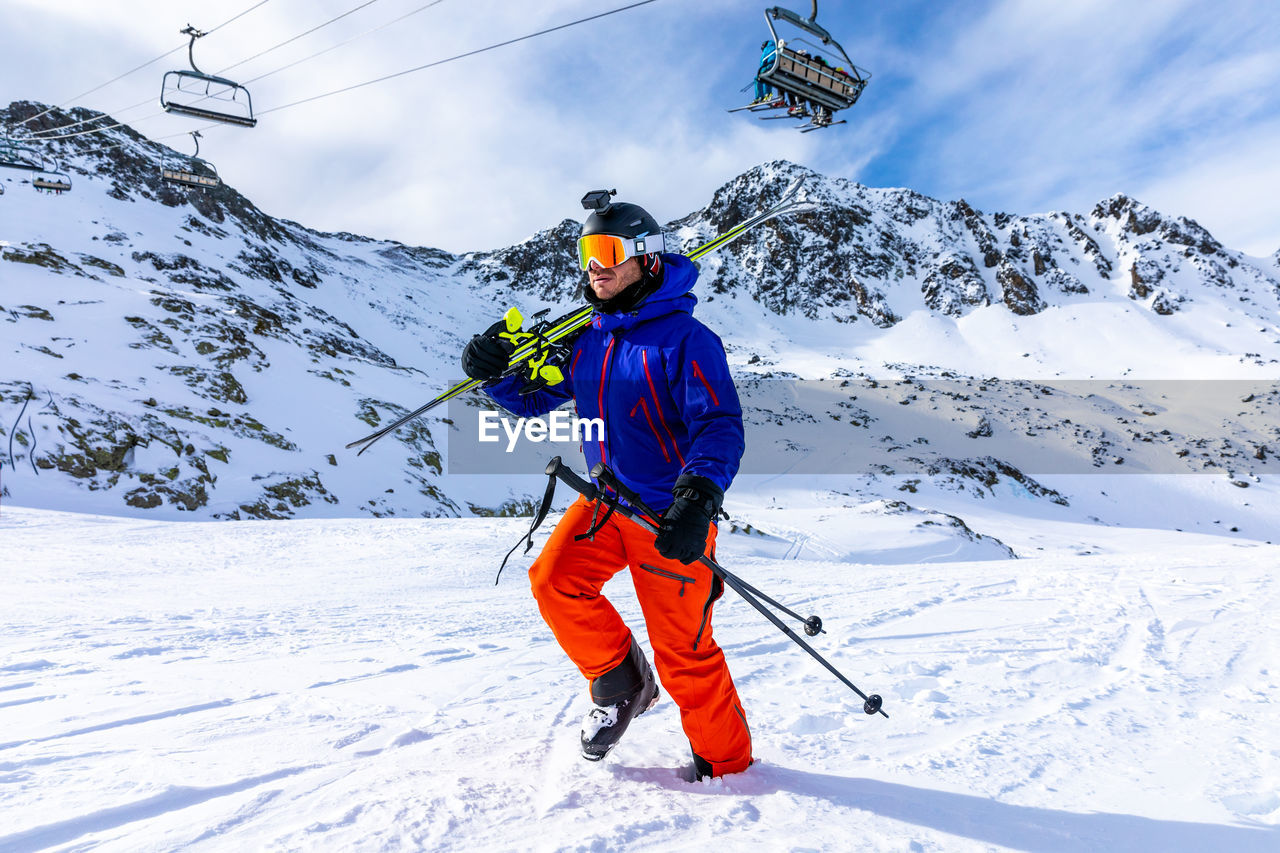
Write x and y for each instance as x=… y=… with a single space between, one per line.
x=640 y=404
x=673 y=576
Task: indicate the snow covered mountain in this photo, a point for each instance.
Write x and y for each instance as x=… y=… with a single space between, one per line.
x=180 y=353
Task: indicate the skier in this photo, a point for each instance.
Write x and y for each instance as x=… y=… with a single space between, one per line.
x=659 y=380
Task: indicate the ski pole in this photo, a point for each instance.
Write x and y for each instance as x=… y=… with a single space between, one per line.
x=812 y=624
x=871 y=704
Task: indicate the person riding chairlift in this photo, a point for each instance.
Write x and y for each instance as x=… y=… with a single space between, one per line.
x=764 y=91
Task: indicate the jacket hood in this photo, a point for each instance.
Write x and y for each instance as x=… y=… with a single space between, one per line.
x=678 y=278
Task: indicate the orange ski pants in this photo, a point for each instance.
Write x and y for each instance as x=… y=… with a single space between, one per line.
x=676 y=601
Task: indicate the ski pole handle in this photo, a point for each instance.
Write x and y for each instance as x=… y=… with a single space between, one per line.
x=605 y=476
x=558 y=469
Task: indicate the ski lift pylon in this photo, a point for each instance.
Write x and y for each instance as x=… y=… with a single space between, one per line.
x=175 y=172
x=186 y=92
x=818 y=89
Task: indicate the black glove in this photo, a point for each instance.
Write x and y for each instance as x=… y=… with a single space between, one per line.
x=682 y=535
x=487 y=356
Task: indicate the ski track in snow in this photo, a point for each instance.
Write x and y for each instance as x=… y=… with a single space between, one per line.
x=363 y=685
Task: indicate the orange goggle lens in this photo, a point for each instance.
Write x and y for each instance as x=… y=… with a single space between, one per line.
x=605 y=249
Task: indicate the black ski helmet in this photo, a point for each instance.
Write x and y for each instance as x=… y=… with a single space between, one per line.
x=619 y=218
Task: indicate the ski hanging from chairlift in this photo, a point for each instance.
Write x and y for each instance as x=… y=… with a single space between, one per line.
x=794 y=76
x=186 y=92
x=197 y=173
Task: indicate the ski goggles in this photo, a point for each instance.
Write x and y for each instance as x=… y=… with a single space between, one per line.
x=609 y=250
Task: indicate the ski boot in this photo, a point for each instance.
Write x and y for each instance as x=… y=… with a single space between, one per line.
x=624 y=692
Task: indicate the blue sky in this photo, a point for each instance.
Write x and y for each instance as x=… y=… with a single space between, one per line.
x=1015 y=105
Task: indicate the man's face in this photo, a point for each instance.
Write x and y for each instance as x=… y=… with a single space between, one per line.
x=608 y=282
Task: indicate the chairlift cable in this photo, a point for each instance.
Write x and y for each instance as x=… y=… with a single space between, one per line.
x=241 y=15
x=94 y=130
x=211 y=124
x=382 y=79
x=44 y=134
x=220 y=72
x=94 y=89
x=229 y=67
x=485 y=49
x=343 y=43
x=140 y=67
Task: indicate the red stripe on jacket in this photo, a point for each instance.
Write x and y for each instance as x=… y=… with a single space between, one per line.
x=644 y=358
x=697 y=371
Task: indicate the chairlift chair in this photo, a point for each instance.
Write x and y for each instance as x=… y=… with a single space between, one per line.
x=51 y=180
x=14 y=155
x=186 y=93
x=198 y=173
x=826 y=89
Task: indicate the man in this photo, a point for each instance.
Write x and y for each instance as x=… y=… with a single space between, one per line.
x=659 y=380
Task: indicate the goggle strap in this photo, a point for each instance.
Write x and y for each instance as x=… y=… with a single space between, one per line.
x=647 y=244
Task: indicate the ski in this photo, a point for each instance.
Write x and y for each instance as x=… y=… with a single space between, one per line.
x=560 y=330
x=555 y=331
x=814 y=127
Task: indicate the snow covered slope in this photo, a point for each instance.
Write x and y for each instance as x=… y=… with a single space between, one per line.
x=356 y=684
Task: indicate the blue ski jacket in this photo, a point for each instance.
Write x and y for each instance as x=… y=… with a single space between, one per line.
x=659 y=380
